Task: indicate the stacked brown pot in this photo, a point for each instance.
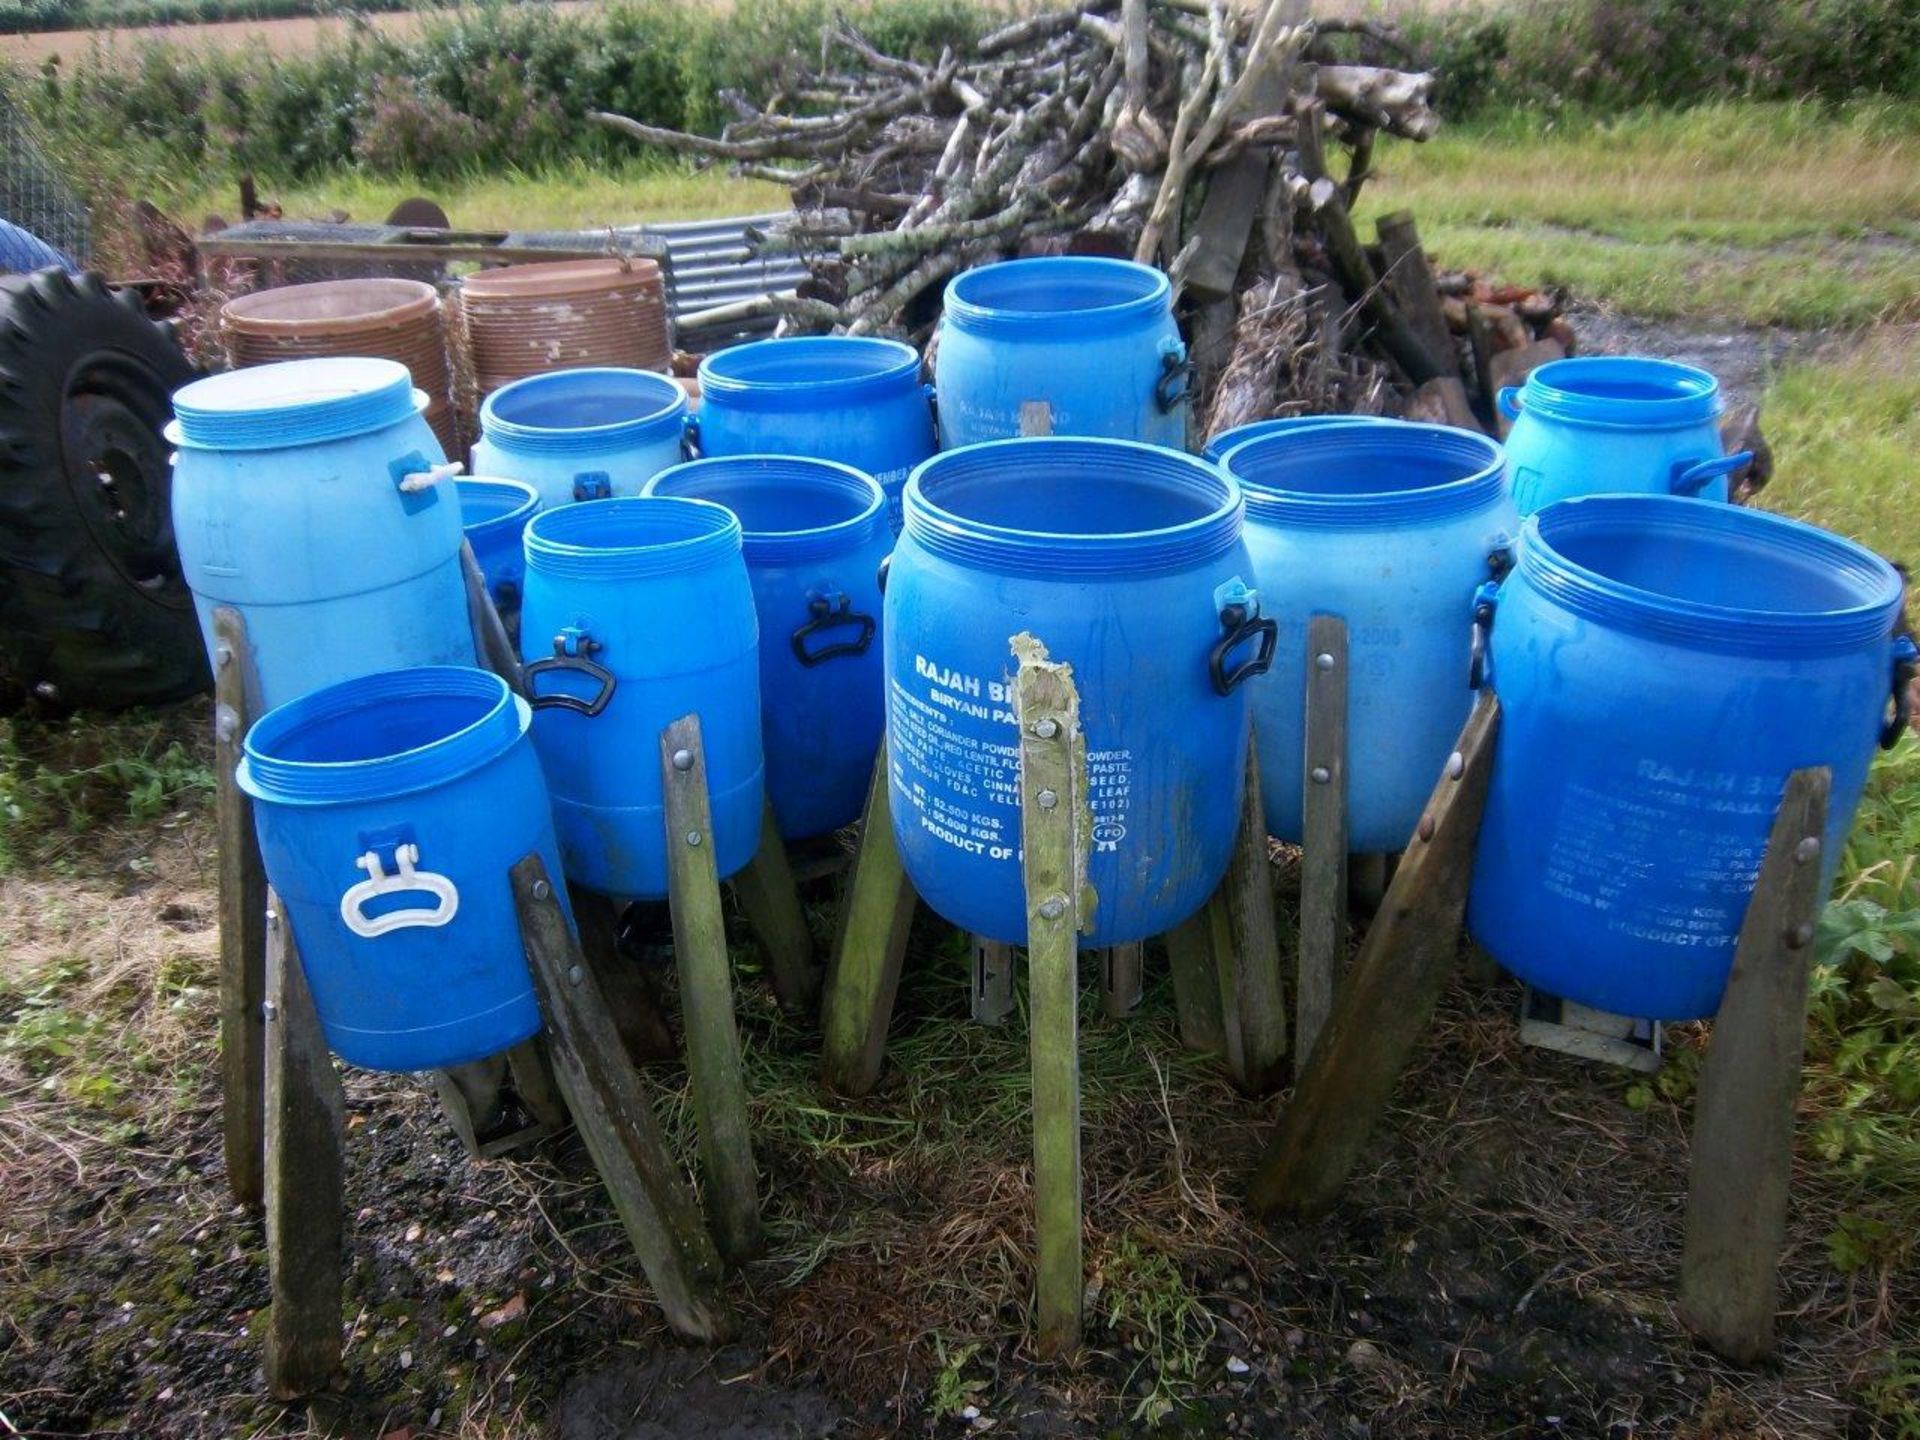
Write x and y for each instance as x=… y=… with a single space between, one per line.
x=527 y=319
x=389 y=319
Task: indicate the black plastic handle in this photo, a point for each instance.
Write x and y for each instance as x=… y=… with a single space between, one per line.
x=1242 y=624
x=1176 y=380
x=575 y=664
x=690 y=438
x=829 y=616
x=1905 y=667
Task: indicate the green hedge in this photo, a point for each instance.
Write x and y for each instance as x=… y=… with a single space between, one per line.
x=25 y=16
x=491 y=87
x=1619 y=54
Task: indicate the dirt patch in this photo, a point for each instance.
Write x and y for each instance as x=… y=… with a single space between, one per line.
x=690 y=1395
x=1745 y=358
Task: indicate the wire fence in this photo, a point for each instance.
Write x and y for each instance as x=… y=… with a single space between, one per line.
x=33 y=195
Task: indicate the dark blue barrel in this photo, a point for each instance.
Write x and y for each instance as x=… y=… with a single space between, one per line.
x=390 y=809
x=582 y=434
x=851 y=398
x=638 y=612
x=496 y=513
x=312 y=497
x=1616 y=424
x=1220 y=444
x=814 y=535
x=1388 y=525
x=1125 y=561
x=1061 y=345
x=1662 y=667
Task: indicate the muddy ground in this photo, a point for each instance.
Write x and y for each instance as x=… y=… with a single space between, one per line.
x=1503 y=1267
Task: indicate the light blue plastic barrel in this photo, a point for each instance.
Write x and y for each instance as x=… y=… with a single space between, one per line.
x=1662 y=667
x=312 y=497
x=390 y=809
x=1220 y=444
x=1061 y=345
x=1616 y=424
x=851 y=398
x=496 y=513
x=582 y=434
x=638 y=612
x=1389 y=526
x=1126 y=562
x=814 y=535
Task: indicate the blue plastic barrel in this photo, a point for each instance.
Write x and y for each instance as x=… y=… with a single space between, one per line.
x=390 y=809
x=496 y=513
x=1616 y=424
x=1061 y=345
x=582 y=434
x=1390 y=526
x=814 y=535
x=1662 y=667
x=638 y=612
x=1126 y=562
x=1220 y=444
x=850 y=398
x=312 y=497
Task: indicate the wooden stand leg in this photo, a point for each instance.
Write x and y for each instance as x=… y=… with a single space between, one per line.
x=1121 y=970
x=875 y=916
x=630 y=996
x=1055 y=836
x=706 y=995
x=243 y=915
x=1323 y=863
x=495 y=651
x=1388 y=997
x=1253 y=1010
x=613 y=1110
x=1743 y=1120
x=1192 y=949
x=305 y=1180
x=992 y=983
x=770 y=900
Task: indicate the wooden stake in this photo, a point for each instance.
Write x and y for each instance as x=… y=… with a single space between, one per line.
x=1055 y=836
x=243 y=913
x=1407 y=273
x=613 y=1110
x=628 y=991
x=305 y=1179
x=706 y=996
x=1252 y=1008
x=875 y=917
x=1121 y=969
x=770 y=900
x=991 y=989
x=1323 y=862
x=1192 y=951
x=1743 y=1120
x=1388 y=996
x=491 y=645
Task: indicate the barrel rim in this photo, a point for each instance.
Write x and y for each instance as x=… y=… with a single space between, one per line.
x=534 y=281
x=969 y=314
x=293 y=403
x=280 y=781
x=1551 y=392
x=788 y=545
x=900 y=372
x=242 y=311
x=1233 y=436
x=694 y=534
x=667 y=418
x=1700 y=624
x=1481 y=486
x=1015 y=550
x=514 y=518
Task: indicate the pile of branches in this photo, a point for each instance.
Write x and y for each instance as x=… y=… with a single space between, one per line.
x=1224 y=144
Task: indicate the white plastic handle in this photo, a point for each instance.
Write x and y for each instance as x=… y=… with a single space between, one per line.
x=353 y=904
x=431 y=476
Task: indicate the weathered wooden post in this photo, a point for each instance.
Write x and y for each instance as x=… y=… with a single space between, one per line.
x=243 y=913
x=1056 y=837
x=770 y=900
x=1743 y=1121
x=1323 y=863
x=1387 y=1000
x=706 y=995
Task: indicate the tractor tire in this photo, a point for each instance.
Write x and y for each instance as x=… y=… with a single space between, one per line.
x=93 y=610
